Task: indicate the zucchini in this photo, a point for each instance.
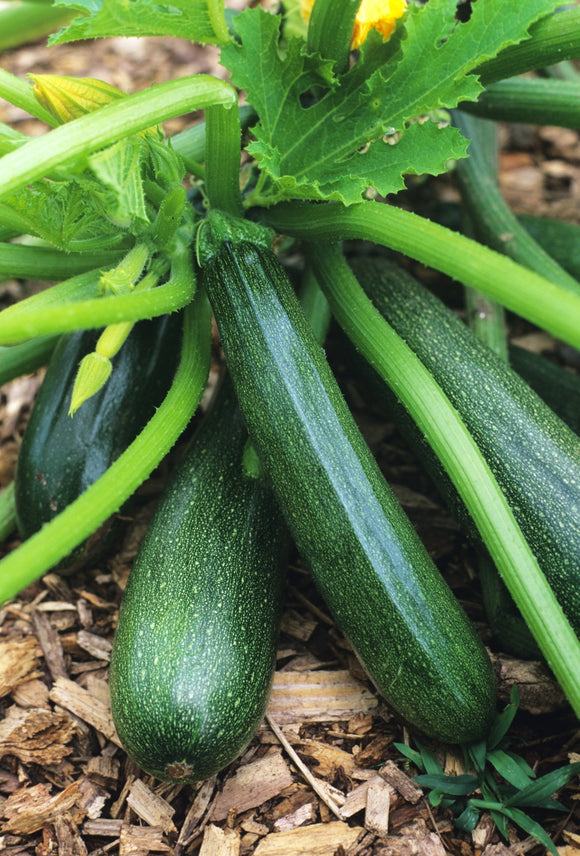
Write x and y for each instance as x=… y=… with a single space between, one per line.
x=533 y=454
x=505 y=621
x=558 y=238
x=375 y=575
x=16 y=360
x=556 y=386
x=194 y=650
x=60 y=456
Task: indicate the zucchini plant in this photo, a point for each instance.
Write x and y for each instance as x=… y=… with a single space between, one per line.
x=345 y=101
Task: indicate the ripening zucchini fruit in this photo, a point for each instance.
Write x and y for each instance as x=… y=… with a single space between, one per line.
x=556 y=386
x=194 y=650
x=533 y=454
x=61 y=456
x=375 y=575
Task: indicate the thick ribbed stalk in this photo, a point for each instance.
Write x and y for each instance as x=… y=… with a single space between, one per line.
x=18 y=360
x=485 y=316
x=20 y=94
x=82 y=517
x=115 y=121
x=191 y=143
x=553 y=39
x=223 y=149
x=532 y=296
x=7 y=512
x=315 y=305
x=446 y=433
x=330 y=30
x=25 y=323
x=530 y=100
x=27 y=22
x=47 y=263
x=494 y=223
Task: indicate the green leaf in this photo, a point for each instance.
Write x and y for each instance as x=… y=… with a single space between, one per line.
x=436 y=797
x=503 y=720
x=331 y=146
x=196 y=20
x=500 y=821
x=68 y=214
x=451 y=785
x=508 y=766
x=538 y=793
x=468 y=818
x=430 y=762
x=118 y=167
x=411 y=755
x=476 y=754
x=162 y=164
x=10 y=139
x=531 y=827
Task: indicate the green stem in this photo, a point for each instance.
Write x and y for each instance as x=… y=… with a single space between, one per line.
x=215 y=10
x=330 y=30
x=564 y=70
x=485 y=317
x=122 y=278
x=79 y=287
x=10 y=139
x=57 y=538
x=223 y=150
x=553 y=39
x=532 y=296
x=446 y=433
x=20 y=94
x=494 y=223
x=7 y=512
x=487 y=320
x=559 y=238
x=46 y=263
x=17 y=360
x=486 y=212
x=69 y=143
x=191 y=143
x=315 y=305
x=20 y=324
x=530 y=100
x=27 y=22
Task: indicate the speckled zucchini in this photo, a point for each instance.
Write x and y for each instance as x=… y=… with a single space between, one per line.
x=557 y=387
x=60 y=457
x=374 y=573
x=533 y=454
x=194 y=650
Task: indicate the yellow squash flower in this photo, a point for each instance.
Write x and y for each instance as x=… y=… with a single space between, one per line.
x=67 y=98
x=380 y=15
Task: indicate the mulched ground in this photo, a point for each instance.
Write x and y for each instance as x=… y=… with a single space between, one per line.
x=322 y=776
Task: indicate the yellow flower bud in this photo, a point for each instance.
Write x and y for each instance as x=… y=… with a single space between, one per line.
x=93 y=373
x=67 y=98
x=380 y=15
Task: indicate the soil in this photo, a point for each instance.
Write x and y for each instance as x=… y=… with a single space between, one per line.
x=323 y=775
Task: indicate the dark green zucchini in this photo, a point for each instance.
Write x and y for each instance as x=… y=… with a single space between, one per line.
x=556 y=386
x=534 y=456
x=60 y=456
x=194 y=650
x=16 y=360
x=558 y=238
x=507 y=625
x=374 y=573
